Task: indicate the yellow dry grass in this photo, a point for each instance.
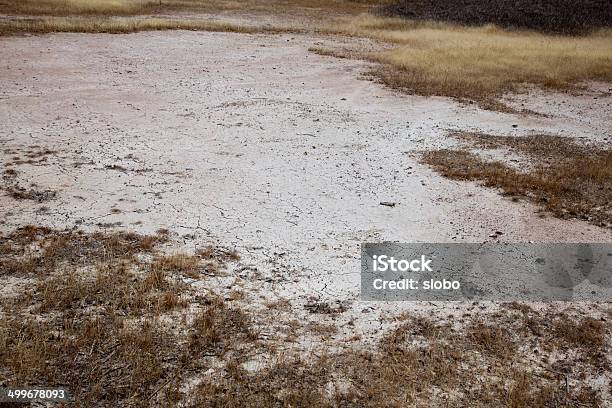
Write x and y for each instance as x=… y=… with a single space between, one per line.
x=67 y=7
x=482 y=62
x=116 y=25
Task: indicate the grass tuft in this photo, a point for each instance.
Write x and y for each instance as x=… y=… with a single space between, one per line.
x=219 y=326
x=568 y=179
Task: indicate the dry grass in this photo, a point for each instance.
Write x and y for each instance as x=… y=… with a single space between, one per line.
x=214 y=252
x=78 y=7
x=568 y=179
x=92 y=319
x=493 y=340
x=32 y=249
x=177 y=262
x=124 y=331
x=123 y=363
x=118 y=25
x=480 y=63
x=280 y=304
x=420 y=363
x=114 y=288
x=218 y=327
x=322 y=329
x=587 y=333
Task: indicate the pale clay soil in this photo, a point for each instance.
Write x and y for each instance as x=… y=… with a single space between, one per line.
x=255 y=143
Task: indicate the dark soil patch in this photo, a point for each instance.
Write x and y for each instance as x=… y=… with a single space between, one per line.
x=557 y=16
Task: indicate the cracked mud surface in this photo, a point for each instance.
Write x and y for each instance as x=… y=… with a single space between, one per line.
x=254 y=142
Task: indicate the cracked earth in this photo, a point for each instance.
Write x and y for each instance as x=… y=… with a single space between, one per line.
x=255 y=143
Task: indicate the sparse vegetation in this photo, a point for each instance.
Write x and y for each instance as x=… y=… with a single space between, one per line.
x=587 y=333
x=177 y=262
x=480 y=366
x=564 y=177
x=124 y=330
x=219 y=326
x=21 y=193
x=91 y=317
x=123 y=363
x=40 y=250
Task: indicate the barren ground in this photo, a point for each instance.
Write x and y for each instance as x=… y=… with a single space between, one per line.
x=258 y=144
